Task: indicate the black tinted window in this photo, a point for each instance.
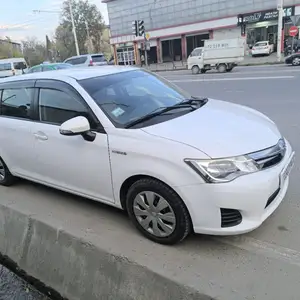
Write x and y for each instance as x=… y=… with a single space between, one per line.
x=98 y=58
x=57 y=107
x=5 y=67
x=20 y=65
x=16 y=102
x=77 y=61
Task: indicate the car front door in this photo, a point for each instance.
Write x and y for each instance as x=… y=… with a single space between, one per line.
x=16 y=125
x=70 y=162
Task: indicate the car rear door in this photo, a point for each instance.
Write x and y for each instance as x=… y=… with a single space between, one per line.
x=70 y=162
x=16 y=123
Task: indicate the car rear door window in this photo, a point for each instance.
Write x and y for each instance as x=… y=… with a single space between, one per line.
x=16 y=102
x=5 y=67
x=20 y=65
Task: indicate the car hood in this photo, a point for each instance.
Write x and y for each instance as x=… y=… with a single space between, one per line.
x=220 y=129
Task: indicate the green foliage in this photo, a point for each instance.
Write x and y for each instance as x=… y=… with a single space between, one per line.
x=85 y=15
x=34 y=51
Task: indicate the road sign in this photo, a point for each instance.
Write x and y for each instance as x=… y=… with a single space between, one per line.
x=147 y=36
x=293 y=31
x=148 y=46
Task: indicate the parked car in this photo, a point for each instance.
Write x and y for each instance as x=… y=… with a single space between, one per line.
x=293 y=59
x=262 y=48
x=49 y=67
x=127 y=138
x=87 y=60
x=12 y=66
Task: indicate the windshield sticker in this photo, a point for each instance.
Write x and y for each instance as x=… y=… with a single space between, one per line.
x=118 y=112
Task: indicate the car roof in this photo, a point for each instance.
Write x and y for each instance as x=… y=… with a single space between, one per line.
x=84 y=55
x=77 y=74
x=13 y=59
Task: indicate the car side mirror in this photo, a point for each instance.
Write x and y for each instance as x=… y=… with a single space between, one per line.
x=77 y=126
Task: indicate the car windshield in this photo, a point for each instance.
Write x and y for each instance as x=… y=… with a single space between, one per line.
x=128 y=96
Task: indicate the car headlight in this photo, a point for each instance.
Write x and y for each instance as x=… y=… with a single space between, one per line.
x=225 y=169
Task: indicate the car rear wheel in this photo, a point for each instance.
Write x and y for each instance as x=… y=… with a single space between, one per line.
x=296 y=61
x=6 y=178
x=195 y=70
x=222 y=68
x=158 y=212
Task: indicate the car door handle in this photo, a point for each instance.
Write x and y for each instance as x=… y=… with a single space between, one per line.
x=40 y=136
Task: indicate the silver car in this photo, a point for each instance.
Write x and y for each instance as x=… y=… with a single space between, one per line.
x=87 y=60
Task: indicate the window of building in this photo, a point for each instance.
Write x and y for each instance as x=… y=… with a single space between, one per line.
x=16 y=102
x=56 y=107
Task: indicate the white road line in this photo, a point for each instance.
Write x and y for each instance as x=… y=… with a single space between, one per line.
x=233 y=79
x=252 y=245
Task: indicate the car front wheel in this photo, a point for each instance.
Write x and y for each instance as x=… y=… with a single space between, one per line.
x=6 y=178
x=158 y=212
x=296 y=61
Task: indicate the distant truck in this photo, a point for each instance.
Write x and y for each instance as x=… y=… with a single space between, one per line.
x=222 y=55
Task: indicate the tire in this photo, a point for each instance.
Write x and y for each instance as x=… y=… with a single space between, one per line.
x=203 y=71
x=195 y=70
x=296 y=61
x=178 y=225
x=222 y=68
x=6 y=178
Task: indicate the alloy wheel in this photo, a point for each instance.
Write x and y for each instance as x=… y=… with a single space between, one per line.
x=296 y=61
x=154 y=214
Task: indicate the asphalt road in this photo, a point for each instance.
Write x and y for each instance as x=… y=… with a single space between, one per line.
x=264 y=264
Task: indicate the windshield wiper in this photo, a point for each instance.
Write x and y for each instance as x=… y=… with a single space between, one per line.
x=202 y=101
x=156 y=112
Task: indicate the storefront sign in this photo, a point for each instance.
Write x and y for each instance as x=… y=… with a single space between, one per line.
x=264 y=16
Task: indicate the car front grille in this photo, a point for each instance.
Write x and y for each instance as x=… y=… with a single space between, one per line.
x=271 y=156
x=230 y=217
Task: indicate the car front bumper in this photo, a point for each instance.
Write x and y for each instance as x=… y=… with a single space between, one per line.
x=255 y=197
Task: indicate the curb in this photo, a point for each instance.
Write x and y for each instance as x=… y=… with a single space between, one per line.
x=75 y=268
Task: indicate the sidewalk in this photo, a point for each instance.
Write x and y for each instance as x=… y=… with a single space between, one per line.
x=248 y=61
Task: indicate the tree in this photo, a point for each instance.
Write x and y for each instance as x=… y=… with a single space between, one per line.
x=34 y=51
x=86 y=17
x=7 y=49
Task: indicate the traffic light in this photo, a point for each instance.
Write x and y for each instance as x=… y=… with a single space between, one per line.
x=138 y=28
x=135 y=28
x=141 y=28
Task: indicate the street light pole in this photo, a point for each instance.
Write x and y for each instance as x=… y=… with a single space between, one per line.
x=74 y=29
x=279 y=34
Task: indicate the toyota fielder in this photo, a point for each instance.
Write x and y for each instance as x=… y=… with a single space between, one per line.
x=128 y=138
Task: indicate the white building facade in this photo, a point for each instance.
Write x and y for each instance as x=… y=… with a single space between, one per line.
x=176 y=27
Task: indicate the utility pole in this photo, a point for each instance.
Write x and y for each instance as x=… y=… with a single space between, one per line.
x=279 y=34
x=74 y=29
x=90 y=45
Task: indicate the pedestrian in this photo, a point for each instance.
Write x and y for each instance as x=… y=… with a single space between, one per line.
x=142 y=60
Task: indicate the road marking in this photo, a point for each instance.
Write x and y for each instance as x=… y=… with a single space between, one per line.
x=264 y=248
x=233 y=79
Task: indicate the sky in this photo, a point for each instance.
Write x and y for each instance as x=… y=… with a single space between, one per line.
x=18 y=21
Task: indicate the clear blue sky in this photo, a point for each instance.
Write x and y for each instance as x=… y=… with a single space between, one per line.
x=18 y=21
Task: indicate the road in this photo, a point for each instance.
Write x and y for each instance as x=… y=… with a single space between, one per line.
x=264 y=264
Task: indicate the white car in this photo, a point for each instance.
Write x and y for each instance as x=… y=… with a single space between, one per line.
x=262 y=48
x=131 y=139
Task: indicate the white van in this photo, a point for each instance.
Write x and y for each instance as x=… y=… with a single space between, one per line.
x=12 y=66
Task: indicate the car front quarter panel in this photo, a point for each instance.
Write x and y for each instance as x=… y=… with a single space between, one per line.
x=134 y=152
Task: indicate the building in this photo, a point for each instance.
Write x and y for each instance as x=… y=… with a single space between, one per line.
x=176 y=27
x=16 y=46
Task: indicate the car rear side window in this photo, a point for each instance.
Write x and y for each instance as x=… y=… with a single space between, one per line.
x=5 y=67
x=16 y=102
x=77 y=60
x=98 y=58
